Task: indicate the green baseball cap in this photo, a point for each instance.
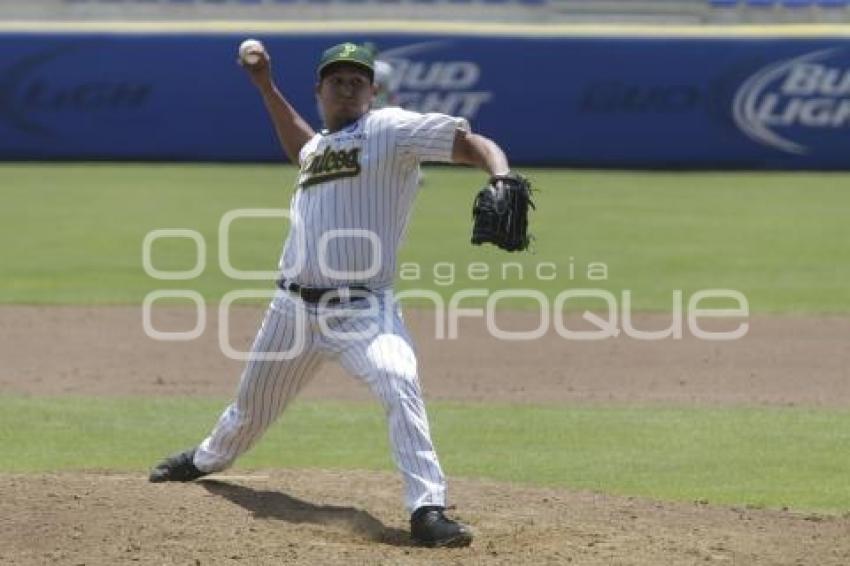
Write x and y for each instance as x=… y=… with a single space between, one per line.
x=352 y=53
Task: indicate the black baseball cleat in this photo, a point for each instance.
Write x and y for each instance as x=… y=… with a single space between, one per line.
x=180 y=467
x=430 y=527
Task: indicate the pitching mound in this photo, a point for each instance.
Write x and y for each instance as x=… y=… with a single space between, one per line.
x=324 y=517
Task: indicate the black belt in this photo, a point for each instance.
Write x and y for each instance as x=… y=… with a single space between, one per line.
x=314 y=295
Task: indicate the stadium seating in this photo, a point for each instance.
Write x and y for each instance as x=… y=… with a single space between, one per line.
x=778 y=11
x=541 y=11
x=624 y=5
x=219 y=3
x=779 y=3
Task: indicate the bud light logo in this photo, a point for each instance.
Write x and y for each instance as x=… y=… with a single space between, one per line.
x=435 y=85
x=37 y=88
x=791 y=104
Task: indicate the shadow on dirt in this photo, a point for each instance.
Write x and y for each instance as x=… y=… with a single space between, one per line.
x=277 y=505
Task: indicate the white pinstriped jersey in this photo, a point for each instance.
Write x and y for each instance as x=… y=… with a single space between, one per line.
x=358 y=181
x=364 y=177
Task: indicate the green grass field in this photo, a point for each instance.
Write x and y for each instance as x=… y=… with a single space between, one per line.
x=74 y=233
x=762 y=457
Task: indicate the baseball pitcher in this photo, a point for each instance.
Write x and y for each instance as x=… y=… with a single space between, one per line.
x=349 y=212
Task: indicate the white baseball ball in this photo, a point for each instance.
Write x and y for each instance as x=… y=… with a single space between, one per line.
x=250 y=51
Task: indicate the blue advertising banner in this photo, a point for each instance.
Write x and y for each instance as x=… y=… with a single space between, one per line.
x=572 y=101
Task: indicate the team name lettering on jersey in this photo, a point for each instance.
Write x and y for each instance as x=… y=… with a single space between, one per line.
x=332 y=164
x=363 y=186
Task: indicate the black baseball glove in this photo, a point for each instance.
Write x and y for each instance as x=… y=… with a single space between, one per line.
x=500 y=212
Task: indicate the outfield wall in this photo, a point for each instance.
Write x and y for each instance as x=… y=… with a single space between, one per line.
x=575 y=98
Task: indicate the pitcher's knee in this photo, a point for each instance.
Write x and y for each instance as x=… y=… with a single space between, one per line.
x=390 y=353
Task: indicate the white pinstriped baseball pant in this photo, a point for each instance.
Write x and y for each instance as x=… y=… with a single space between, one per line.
x=383 y=357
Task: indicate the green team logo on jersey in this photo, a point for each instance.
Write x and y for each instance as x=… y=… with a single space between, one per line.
x=329 y=165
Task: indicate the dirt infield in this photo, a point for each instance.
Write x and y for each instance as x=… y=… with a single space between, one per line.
x=104 y=351
x=354 y=517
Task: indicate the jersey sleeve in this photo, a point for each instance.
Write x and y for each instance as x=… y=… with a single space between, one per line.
x=428 y=137
x=308 y=148
x=302 y=154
